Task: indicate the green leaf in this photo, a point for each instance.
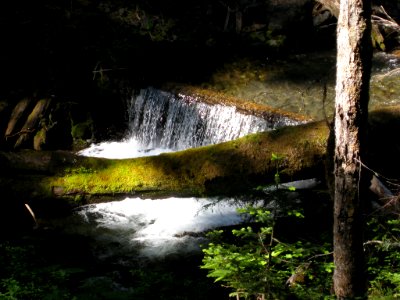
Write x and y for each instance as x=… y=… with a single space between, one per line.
x=276 y=253
x=220 y=274
x=274 y=157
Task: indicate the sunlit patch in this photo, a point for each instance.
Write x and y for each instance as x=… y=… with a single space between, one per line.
x=156 y=227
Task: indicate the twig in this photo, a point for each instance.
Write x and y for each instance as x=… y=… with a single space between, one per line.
x=320 y=255
x=386 y=14
x=24 y=131
x=390 y=181
x=373 y=242
x=381 y=243
x=32 y=214
x=390 y=73
x=107 y=70
x=385 y=22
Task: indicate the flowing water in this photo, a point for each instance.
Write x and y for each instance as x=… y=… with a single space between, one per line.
x=297 y=83
x=148 y=229
x=161 y=121
x=137 y=233
x=149 y=248
x=134 y=248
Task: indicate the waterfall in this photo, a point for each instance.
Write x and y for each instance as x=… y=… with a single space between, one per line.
x=160 y=119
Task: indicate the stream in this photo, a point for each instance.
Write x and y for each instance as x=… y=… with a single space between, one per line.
x=137 y=248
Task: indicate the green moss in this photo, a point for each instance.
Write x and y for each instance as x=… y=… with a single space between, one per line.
x=197 y=170
x=39 y=140
x=83 y=130
x=250 y=107
x=231 y=167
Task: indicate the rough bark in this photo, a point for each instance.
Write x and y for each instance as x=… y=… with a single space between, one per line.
x=351 y=115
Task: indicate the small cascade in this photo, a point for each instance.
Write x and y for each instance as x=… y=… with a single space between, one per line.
x=159 y=119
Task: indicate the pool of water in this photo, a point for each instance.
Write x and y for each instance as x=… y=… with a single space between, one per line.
x=297 y=84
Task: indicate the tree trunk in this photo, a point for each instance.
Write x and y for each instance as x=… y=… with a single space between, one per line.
x=351 y=116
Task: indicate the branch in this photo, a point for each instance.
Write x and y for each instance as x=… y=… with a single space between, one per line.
x=385 y=23
x=374 y=242
x=386 y=14
x=381 y=243
x=390 y=73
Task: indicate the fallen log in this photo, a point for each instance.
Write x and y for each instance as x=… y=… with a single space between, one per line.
x=219 y=169
x=231 y=167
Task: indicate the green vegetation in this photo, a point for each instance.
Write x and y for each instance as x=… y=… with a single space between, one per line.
x=50 y=265
x=83 y=130
x=23 y=275
x=383 y=257
x=233 y=167
x=207 y=174
x=265 y=260
x=254 y=261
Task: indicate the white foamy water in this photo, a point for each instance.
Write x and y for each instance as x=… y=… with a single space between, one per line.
x=155 y=228
x=161 y=122
x=127 y=148
x=159 y=119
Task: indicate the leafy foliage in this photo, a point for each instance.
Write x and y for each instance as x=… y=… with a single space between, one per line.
x=252 y=262
x=21 y=278
x=255 y=264
x=383 y=257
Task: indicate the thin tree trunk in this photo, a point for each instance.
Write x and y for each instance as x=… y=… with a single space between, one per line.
x=351 y=116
